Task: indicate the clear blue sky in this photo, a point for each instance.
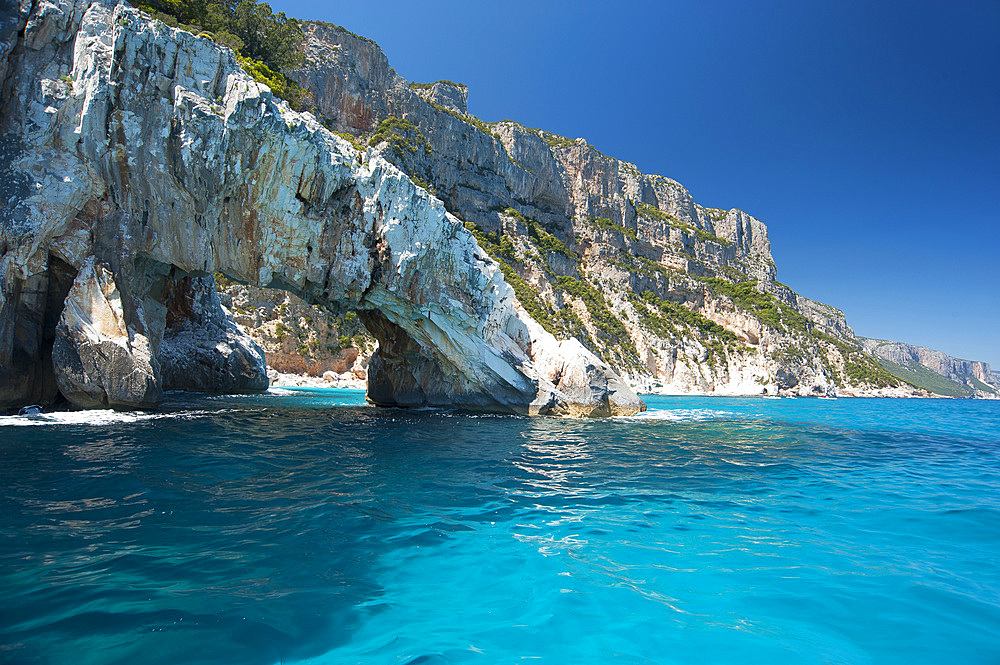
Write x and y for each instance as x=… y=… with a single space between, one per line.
x=866 y=135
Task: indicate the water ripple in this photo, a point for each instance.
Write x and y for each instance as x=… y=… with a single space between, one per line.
x=307 y=527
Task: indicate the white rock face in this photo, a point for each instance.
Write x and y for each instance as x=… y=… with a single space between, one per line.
x=99 y=360
x=149 y=151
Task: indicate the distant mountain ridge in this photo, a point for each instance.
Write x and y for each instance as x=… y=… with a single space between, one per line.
x=935 y=370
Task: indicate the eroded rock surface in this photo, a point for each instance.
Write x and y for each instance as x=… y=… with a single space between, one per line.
x=143 y=156
x=99 y=359
x=202 y=349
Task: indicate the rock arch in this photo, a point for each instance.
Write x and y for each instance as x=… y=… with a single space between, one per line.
x=145 y=159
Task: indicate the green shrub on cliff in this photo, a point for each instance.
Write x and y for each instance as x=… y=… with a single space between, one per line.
x=350 y=138
x=467 y=119
x=265 y=42
x=282 y=86
x=546 y=242
x=922 y=377
x=868 y=372
x=506 y=247
x=555 y=140
x=562 y=323
x=648 y=266
x=341 y=28
x=402 y=135
x=679 y=313
x=539 y=237
x=859 y=367
x=705 y=236
x=605 y=224
x=427 y=86
x=406 y=143
x=648 y=211
x=273 y=39
x=768 y=309
x=663 y=317
x=652 y=212
x=270 y=38
x=389 y=129
x=717 y=214
x=611 y=327
x=528 y=297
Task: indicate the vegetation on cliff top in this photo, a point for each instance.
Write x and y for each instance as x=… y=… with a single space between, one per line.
x=249 y=28
x=464 y=117
x=280 y=85
x=716 y=214
x=327 y=24
x=266 y=43
x=768 y=309
x=555 y=140
x=402 y=135
x=406 y=142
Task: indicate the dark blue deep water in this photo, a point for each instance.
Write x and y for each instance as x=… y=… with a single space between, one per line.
x=305 y=527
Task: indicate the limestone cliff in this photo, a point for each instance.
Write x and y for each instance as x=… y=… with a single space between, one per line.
x=935 y=370
x=677 y=296
x=138 y=160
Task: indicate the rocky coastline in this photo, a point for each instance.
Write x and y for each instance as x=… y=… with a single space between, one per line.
x=141 y=159
x=169 y=223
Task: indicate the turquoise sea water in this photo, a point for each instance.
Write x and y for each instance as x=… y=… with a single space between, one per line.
x=301 y=526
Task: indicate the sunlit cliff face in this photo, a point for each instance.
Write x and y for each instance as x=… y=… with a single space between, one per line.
x=160 y=159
